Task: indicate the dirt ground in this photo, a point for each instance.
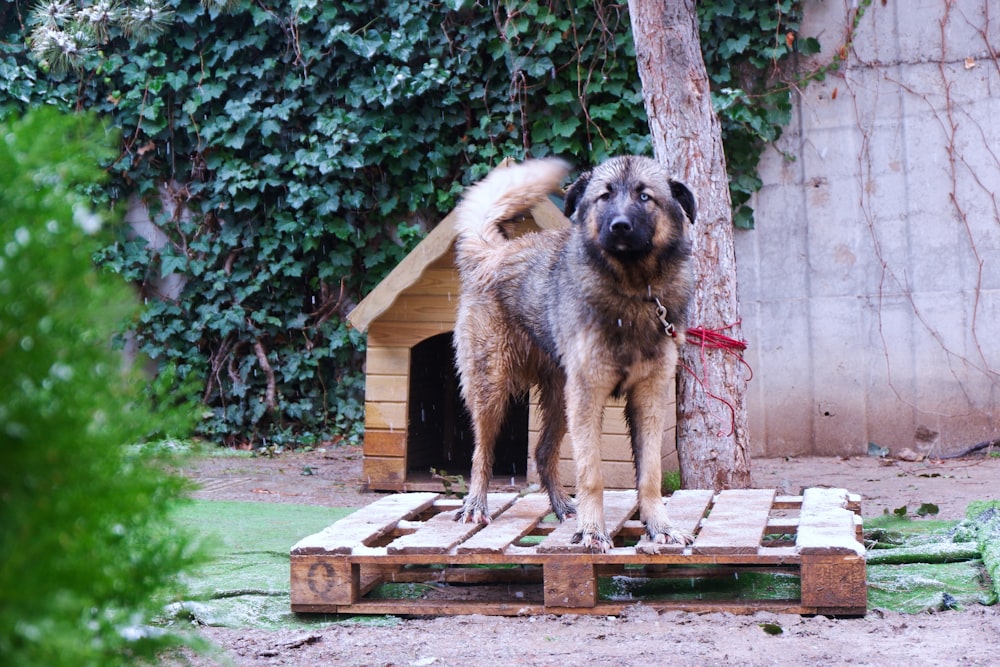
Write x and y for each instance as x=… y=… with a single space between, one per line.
x=643 y=636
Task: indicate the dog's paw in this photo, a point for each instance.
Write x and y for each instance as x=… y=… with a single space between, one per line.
x=597 y=542
x=563 y=508
x=670 y=535
x=473 y=513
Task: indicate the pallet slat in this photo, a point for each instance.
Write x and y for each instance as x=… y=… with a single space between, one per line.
x=686 y=509
x=441 y=533
x=366 y=525
x=736 y=523
x=826 y=525
x=510 y=527
x=619 y=506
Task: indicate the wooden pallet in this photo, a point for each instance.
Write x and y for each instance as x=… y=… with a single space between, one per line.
x=524 y=562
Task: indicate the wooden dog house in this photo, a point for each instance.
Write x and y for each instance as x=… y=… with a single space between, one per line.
x=415 y=419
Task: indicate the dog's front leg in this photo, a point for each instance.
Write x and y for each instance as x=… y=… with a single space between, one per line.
x=585 y=416
x=646 y=418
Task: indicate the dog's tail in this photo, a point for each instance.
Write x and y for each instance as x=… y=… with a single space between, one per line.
x=505 y=194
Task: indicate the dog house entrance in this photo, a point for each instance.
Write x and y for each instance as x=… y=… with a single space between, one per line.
x=439 y=432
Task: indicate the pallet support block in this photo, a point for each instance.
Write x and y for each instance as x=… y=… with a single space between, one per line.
x=570 y=585
x=525 y=562
x=326 y=581
x=834 y=583
x=833 y=561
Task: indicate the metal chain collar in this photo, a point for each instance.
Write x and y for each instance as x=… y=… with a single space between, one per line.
x=661 y=314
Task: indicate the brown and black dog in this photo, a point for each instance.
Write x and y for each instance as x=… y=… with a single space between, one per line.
x=592 y=311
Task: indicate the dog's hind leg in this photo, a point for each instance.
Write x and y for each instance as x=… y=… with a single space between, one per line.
x=553 y=418
x=487 y=404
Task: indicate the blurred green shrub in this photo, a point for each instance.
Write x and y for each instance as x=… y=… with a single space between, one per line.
x=88 y=554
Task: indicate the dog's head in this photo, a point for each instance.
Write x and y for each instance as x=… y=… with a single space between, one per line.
x=630 y=207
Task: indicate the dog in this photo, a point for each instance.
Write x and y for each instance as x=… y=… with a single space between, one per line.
x=584 y=313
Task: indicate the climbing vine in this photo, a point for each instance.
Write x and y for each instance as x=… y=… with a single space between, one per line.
x=288 y=154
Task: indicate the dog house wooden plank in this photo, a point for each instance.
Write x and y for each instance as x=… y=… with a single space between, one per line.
x=384 y=472
x=438 y=281
x=826 y=526
x=392 y=388
x=619 y=506
x=395 y=334
x=387 y=361
x=614 y=417
x=617 y=474
x=736 y=522
x=385 y=416
x=686 y=509
x=441 y=533
x=366 y=525
x=422 y=308
x=509 y=527
x=385 y=443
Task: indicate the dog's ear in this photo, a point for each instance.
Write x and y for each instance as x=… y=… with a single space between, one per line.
x=574 y=193
x=685 y=198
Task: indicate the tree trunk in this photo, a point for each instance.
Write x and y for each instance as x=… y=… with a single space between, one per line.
x=712 y=440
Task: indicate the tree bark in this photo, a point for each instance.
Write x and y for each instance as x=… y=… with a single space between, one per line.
x=712 y=442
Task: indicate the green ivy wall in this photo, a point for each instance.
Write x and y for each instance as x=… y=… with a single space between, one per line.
x=289 y=155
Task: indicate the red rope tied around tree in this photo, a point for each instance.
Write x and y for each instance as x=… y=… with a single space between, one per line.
x=715 y=339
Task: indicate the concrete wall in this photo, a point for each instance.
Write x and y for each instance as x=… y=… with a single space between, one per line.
x=871 y=286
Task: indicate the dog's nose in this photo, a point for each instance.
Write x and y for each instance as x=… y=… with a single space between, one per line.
x=621 y=225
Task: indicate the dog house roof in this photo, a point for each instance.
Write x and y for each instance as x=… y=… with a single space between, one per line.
x=439 y=241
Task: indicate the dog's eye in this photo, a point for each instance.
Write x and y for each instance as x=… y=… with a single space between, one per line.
x=643 y=196
x=605 y=196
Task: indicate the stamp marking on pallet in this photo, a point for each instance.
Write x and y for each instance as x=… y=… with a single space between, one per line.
x=525 y=562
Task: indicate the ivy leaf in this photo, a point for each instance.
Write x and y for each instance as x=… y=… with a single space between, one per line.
x=170 y=263
x=566 y=127
x=808 y=46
